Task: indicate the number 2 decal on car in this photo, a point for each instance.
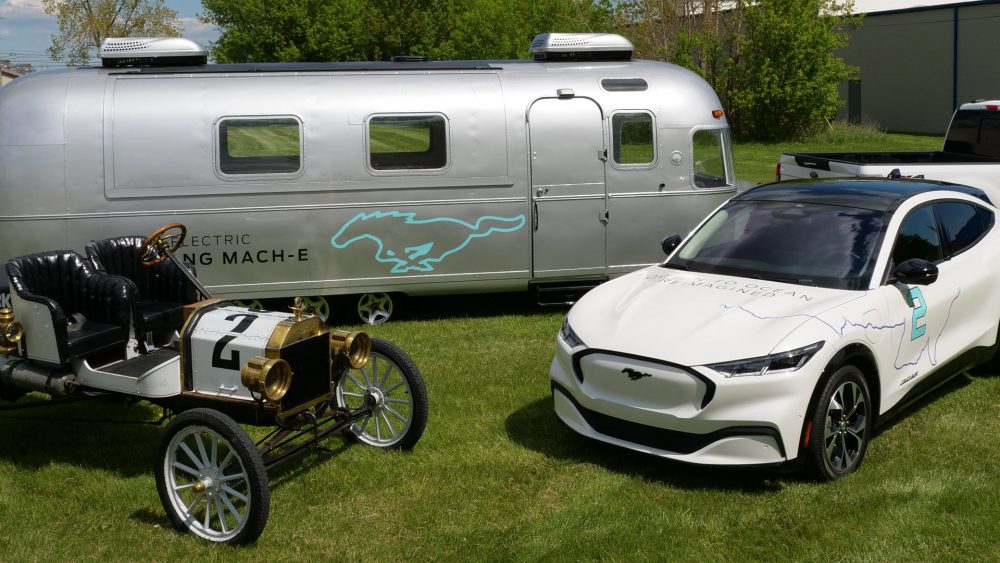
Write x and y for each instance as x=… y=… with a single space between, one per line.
x=919 y=310
x=233 y=361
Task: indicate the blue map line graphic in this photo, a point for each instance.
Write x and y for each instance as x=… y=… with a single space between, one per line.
x=931 y=350
x=840 y=331
x=419 y=256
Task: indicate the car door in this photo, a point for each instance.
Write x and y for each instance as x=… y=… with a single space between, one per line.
x=939 y=320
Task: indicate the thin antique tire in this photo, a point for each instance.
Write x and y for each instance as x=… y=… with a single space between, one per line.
x=211 y=478
x=841 y=425
x=394 y=383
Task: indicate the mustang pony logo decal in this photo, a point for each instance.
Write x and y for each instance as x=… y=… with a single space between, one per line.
x=635 y=375
x=433 y=239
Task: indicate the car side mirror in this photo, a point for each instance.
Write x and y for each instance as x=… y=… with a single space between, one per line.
x=916 y=271
x=670 y=243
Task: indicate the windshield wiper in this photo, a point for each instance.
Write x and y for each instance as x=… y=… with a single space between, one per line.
x=677 y=267
x=779 y=279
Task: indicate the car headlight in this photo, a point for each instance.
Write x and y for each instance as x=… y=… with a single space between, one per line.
x=774 y=363
x=568 y=336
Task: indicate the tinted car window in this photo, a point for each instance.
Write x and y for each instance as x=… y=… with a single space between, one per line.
x=974 y=132
x=961 y=223
x=809 y=244
x=918 y=237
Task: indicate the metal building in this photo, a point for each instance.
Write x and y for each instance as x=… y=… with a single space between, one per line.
x=920 y=59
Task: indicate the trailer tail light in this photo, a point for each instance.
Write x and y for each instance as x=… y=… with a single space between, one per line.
x=717 y=113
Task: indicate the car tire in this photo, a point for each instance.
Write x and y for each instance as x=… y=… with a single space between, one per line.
x=211 y=478
x=393 y=381
x=840 y=425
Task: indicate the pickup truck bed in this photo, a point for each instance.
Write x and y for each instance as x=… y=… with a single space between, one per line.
x=971 y=156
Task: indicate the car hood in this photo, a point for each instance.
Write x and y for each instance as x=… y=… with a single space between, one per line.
x=696 y=319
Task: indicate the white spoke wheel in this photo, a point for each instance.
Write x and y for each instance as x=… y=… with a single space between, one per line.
x=374 y=308
x=392 y=383
x=318 y=306
x=841 y=425
x=211 y=478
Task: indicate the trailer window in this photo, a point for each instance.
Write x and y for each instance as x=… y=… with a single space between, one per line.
x=709 y=151
x=407 y=142
x=260 y=146
x=632 y=138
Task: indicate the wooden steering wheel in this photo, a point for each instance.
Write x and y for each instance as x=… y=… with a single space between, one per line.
x=168 y=237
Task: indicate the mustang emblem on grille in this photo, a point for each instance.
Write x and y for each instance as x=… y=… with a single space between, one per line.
x=635 y=375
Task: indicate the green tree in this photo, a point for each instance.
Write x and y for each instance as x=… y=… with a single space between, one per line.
x=84 y=24
x=772 y=62
x=786 y=83
x=342 y=30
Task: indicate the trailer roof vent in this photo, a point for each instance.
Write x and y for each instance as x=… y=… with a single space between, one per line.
x=151 y=51
x=581 y=47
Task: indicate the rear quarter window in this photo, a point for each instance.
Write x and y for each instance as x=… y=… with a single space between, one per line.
x=963 y=224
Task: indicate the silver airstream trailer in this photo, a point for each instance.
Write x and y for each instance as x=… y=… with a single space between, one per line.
x=368 y=179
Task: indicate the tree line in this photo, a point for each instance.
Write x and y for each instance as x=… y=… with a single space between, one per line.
x=772 y=62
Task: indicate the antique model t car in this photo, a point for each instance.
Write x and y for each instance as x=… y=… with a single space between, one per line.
x=131 y=320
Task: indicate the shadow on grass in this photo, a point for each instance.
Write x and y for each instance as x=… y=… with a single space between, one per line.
x=536 y=427
x=428 y=308
x=110 y=434
x=897 y=416
x=298 y=465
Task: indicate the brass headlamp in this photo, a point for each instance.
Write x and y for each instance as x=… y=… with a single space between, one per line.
x=351 y=347
x=268 y=377
x=11 y=332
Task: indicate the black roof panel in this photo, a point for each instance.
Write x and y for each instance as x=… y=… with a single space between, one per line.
x=866 y=193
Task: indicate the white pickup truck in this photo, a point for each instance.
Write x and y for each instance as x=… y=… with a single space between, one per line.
x=971 y=155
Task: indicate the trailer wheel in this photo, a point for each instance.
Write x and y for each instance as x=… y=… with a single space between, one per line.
x=211 y=478
x=393 y=383
x=318 y=306
x=252 y=304
x=374 y=308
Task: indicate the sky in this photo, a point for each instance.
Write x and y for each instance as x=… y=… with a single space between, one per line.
x=26 y=32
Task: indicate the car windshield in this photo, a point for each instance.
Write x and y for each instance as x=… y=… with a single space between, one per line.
x=799 y=243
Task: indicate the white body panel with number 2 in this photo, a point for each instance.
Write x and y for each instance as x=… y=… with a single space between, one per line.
x=222 y=342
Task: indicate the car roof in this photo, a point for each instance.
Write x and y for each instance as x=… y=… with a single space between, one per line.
x=877 y=194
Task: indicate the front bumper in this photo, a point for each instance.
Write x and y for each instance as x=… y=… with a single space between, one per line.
x=687 y=414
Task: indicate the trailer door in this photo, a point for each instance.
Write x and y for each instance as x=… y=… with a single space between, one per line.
x=567 y=187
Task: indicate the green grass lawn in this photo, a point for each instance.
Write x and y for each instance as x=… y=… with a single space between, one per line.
x=755 y=162
x=497 y=477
